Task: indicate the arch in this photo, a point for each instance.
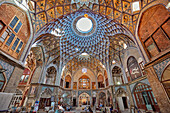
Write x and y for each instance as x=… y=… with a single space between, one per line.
x=144 y=97
x=51 y=75
x=142 y=50
x=84 y=82
x=133 y=68
x=121 y=92
x=46 y=93
x=27 y=47
x=117 y=75
x=68 y=81
x=154 y=25
x=3 y=79
x=165 y=79
x=84 y=99
x=25 y=76
x=102 y=99
x=100 y=80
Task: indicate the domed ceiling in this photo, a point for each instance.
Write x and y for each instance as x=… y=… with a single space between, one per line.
x=57 y=30
x=124 y=11
x=105 y=41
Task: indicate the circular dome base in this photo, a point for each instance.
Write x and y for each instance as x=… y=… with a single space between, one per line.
x=84 y=25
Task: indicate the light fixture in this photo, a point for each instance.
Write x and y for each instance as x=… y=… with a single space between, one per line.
x=113 y=62
x=118 y=83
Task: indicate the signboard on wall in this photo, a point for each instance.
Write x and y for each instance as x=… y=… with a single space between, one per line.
x=133 y=68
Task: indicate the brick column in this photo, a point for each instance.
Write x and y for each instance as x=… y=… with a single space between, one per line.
x=158 y=90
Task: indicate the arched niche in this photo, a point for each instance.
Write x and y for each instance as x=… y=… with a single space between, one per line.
x=45 y=98
x=68 y=81
x=122 y=99
x=3 y=79
x=51 y=75
x=144 y=97
x=117 y=75
x=102 y=99
x=133 y=68
x=166 y=80
x=84 y=99
x=15 y=30
x=84 y=82
x=100 y=80
x=153 y=30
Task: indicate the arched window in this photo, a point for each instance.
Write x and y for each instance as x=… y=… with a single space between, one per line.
x=100 y=80
x=84 y=82
x=68 y=81
x=2 y=80
x=166 y=80
x=117 y=75
x=133 y=68
x=145 y=98
x=154 y=30
x=25 y=76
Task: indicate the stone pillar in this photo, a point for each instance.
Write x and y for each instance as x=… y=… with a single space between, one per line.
x=14 y=80
x=158 y=90
x=113 y=95
x=132 y=105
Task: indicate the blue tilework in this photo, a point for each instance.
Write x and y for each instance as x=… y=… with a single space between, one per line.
x=8 y=67
x=160 y=67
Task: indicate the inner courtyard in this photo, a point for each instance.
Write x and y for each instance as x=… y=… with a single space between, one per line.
x=85 y=56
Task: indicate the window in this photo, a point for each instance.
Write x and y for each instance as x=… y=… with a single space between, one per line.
x=19 y=47
x=15 y=24
x=25 y=76
x=84 y=82
x=10 y=39
x=135 y=6
x=15 y=43
x=6 y=33
x=18 y=27
x=14 y=21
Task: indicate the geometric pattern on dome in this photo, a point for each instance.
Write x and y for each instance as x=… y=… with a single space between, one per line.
x=44 y=11
x=78 y=62
x=102 y=44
